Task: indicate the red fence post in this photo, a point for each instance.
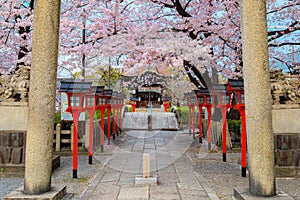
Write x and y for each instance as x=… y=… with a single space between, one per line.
x=113 y=123
x=166 y=105
x=193 y=120
x=200 y=124
x=243 y=141
x=75 y=116
x=102 y=130
x=208 y=107
x=91 y=114
x=108 y=124
x=133 y=105
x=224 y=111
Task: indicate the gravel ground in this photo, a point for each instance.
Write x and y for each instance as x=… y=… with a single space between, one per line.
x=61 y=177
x=8 y=185
x=221 y=177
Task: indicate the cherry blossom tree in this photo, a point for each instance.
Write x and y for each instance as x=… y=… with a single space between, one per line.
x=16 y=18
x=199 y=38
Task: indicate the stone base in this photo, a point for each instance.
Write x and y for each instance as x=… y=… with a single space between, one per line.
x=282 y=171
x=242 y=193
x=54 y=194
x=16 y=116
x=11 y=170
x=15 y=104
x=285 y=106
x=141 y=181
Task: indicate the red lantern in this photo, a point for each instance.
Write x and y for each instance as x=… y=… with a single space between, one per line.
x=76 y=92
x=223 y=101
x=237 y=87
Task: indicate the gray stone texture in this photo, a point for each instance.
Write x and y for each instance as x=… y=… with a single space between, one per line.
x=287 y=155
x=286 y=120
x=99 y=181
x=38 y=164
x=286 y=130
x=12 y=145
x=16 y=155
x=55 y=193
x=242 y=193
x=16 y=116
x=5 y=155
x=258 y=98
x=159 y=120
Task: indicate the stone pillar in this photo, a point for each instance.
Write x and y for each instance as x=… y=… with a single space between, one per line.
x=58 y=131
x=258 y=98
x=38 y=164
x=146 y=165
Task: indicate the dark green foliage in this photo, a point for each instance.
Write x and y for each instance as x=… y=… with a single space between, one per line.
x=185 y=114
x=234 y=127
x=97 y=114
x=57 y=116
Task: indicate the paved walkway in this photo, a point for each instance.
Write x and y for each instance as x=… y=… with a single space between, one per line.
x=122 y=162
x=185 y=171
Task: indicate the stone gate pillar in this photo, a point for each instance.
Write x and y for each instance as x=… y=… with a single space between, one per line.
x=38 y=162
x=258 y=98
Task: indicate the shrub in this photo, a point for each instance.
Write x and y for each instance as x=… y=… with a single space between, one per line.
x=234 y=127
x=57 y=117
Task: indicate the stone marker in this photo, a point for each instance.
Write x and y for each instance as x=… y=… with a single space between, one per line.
x=258 y=98
x=146 y=165
x=38 y=164
x=146 y=179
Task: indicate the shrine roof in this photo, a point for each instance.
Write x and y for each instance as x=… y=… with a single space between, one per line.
x=75 y=87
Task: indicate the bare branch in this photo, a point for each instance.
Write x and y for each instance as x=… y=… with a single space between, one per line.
x=181 y=11
x=283 y=7
x=284 y=44
x=279 y=33
x=290 y=68
x=187 y=4
x=164 y=4
x=125 y=7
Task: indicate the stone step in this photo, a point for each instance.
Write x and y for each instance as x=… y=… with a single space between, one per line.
x=146 y=110
x=160 y=121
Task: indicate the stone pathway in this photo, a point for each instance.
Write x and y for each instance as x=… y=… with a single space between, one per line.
x=185 y=171
x=168 y=161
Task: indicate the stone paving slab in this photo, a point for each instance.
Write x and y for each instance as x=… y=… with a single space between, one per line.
x=168 y=162
x=133 y=193
x=54 y=194
x=111 y=176
x=101 y=191
x=242 y=193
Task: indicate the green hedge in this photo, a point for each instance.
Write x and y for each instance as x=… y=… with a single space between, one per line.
x=234 y=127
x=185 y=114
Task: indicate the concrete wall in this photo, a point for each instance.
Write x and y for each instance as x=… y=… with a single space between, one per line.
x=13 y=116
x=286 y=128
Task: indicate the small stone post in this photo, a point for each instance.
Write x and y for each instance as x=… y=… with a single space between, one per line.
x=39 y=141
x=146 y=165
x=58 y=129
x=258 y=98
x=149 y=122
